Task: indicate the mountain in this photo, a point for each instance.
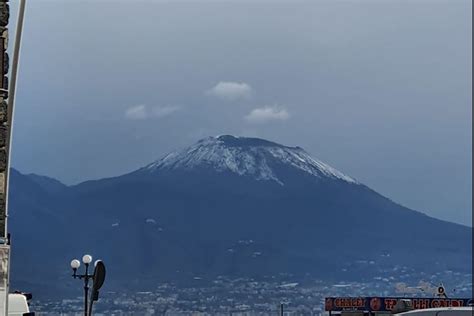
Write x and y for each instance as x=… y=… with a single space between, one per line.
x=234 y=206
x=48 y=184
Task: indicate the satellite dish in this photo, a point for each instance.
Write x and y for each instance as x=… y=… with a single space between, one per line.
x=98 y=278
x=99 y=275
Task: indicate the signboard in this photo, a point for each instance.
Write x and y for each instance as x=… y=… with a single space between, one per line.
x=386 y=304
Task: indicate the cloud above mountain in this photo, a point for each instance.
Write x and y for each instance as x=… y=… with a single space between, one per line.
x=231 y=91
x=267 y=114
x=143 y=112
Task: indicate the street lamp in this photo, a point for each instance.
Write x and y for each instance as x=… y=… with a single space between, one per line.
x=98 y=279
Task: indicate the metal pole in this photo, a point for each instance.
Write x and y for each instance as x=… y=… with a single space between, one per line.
x=281 y=309
x=11 y=98
x=91 y=303
x=86 y=289
x=11 y=104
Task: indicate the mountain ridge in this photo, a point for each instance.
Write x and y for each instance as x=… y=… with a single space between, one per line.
x=178 y=223
x=52 y=185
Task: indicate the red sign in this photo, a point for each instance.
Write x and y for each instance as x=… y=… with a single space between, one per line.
x=386 y=304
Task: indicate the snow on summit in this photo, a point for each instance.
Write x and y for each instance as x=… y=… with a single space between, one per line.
x=246 y=156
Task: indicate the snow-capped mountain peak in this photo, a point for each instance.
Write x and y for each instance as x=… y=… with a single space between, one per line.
x=246 y=157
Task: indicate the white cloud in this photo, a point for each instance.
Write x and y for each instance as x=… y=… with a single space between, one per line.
x=143 y=112
x=266 y=114
x=137 y=112
x=159 y=111
x=231 y=90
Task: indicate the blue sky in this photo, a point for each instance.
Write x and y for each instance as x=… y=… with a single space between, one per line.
x=381 y=90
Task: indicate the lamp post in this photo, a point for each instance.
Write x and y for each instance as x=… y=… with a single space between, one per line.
x=98 y=278
x=75 y=264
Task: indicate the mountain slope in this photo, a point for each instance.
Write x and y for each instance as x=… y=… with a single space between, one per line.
x=237 y=207
x=51 y=185
x=245 y=156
